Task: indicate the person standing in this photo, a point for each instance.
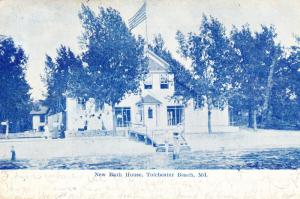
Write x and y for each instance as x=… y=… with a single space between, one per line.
x=13 y=154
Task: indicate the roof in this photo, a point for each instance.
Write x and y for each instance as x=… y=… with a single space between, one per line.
x=148 y=99
x=42 y=110
x=156 y=63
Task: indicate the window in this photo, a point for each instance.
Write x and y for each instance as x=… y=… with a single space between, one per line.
x=42 y=118
x=175 y=115
x=123 y=116
x=41 y=128
x=82 y=103
x=150 y=113
x=164 y=81
x=148 y=82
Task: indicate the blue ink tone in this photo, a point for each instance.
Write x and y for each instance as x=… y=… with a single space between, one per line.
x=266 y=159
x=124 y=88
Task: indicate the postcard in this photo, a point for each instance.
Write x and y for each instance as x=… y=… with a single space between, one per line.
x=149 y=99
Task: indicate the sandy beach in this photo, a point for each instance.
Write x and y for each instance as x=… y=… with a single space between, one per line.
x=39 y=148
x=244 y=139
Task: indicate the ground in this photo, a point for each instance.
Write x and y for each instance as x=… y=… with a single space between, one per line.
x=246 y=149
x=245 y=139
x=39 y=148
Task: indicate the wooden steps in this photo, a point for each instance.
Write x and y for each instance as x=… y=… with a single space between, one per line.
x=161 y=144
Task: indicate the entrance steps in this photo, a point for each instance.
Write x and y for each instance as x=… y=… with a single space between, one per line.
x=169 y=146
x=162 y=142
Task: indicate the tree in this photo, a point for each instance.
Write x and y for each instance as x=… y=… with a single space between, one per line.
x=270 y=56
x=212 y=62
x=258 y=56
x=115 y=59
x=15 y=98
x=64 y=77
x=293 y=81
x=285 y=104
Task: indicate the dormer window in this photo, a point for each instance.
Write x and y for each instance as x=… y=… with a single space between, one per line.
x=164 y=81
x=148 y=84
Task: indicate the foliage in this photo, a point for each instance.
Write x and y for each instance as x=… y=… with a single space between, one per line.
x=212 y=62
x=64 y=77
x=285 y=103
x=258 y=57
x=15 y=98
x=115 y=58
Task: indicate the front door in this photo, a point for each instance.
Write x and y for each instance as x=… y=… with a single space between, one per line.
x=150 y=112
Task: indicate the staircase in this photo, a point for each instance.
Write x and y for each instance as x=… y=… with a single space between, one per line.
x=169 y=145
x=162 y=140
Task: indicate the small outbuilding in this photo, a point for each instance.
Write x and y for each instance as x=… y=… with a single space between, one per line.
x=39 y=118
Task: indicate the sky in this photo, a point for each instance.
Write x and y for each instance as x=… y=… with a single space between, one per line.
x=41 y=26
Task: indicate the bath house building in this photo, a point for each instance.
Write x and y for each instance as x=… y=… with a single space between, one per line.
x=152 y=110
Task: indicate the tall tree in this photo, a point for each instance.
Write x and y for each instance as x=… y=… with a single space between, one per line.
x=285 y=103
x=212 y=62
x=270 y=55
x=15 y=99
x=258 y=56
x=115 y=59
x=294 y=76
x=63 y=77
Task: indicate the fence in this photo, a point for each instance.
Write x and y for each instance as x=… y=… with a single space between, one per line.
x=26 y=134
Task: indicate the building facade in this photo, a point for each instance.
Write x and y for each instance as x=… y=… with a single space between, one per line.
x=39 y=118
x=153 y=109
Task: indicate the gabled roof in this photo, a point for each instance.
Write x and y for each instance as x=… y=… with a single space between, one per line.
x=42 y=110
x=156 y=63
x=148 y=99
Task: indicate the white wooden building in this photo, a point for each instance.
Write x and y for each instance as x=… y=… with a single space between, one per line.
x=39 y=118
x=153 y=108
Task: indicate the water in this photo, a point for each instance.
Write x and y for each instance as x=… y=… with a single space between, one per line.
x=264 y=159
